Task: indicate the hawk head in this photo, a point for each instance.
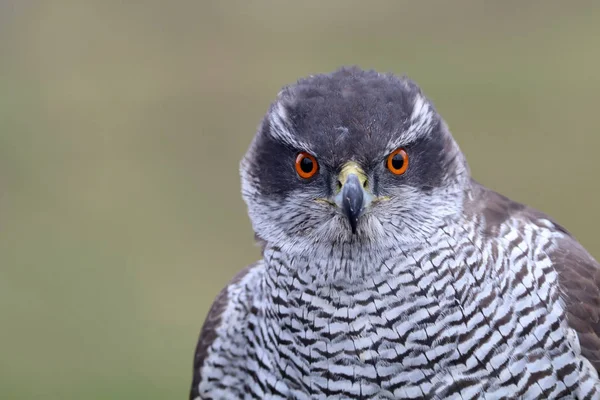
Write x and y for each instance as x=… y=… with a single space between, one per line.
x=353 y=157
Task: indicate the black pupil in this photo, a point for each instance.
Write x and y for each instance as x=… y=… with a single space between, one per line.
x=306 y=165
x=397 y=161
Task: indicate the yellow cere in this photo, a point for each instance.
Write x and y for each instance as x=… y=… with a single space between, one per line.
x=352 y=168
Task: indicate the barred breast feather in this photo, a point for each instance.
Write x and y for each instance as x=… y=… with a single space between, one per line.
x=504 y=305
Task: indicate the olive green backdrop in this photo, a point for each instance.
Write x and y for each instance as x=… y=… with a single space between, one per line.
x=122 y=125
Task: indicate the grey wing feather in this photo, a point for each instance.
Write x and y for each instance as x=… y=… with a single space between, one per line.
x=208 y=334
x=579 y=279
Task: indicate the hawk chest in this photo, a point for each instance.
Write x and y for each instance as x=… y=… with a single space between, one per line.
x=460 y=318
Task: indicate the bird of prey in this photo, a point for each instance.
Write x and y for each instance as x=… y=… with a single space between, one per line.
x=387 y=272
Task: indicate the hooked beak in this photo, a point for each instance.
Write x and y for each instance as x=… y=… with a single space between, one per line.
x=352 y=200
x=352 y=197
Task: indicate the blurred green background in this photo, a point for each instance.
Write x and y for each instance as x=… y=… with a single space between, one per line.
x=122 y=125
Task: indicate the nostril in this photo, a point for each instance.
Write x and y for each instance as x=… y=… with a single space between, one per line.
x=339 y=186
x=365 y=184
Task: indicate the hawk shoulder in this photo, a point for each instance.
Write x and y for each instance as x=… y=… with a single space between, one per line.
x=578 y=272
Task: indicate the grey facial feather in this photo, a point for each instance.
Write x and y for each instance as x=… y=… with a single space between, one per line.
x=374 y=114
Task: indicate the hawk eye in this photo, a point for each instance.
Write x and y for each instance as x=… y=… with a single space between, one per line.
x=306 y=165
x=397 y=161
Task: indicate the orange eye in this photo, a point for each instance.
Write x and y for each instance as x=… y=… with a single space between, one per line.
x=397 y=161
x=306 y=165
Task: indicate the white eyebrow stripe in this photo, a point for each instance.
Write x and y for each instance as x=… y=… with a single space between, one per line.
x=421 y=125
x=281 y=129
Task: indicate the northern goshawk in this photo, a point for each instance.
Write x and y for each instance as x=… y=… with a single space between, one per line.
x=387 y=272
